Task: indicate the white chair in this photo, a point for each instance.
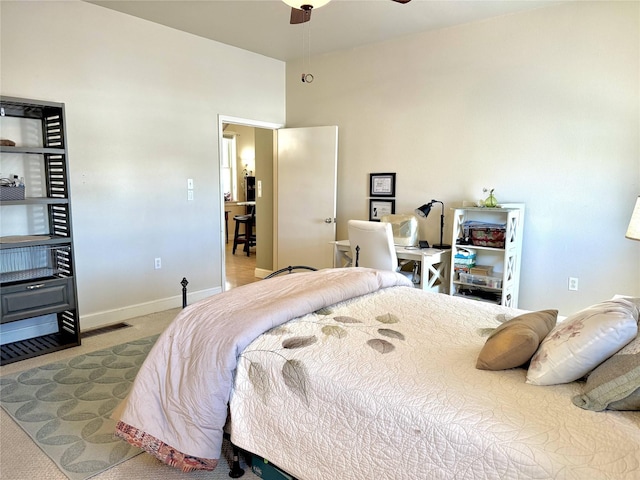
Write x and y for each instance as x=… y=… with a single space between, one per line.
x=372 y=246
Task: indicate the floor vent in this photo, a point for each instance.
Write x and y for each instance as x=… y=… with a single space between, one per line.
x=99 y=331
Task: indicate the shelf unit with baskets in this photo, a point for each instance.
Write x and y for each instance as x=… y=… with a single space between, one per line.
x=38 y=286
x=486 y=253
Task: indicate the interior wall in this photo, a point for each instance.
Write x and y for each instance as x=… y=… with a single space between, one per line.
x=246 y=156
x=142 y=104
x=264 y=200
x=543 y=106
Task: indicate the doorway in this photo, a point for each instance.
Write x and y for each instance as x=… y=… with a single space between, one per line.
x=253 y=157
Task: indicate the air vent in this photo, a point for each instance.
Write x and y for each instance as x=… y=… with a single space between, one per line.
x=99 y=331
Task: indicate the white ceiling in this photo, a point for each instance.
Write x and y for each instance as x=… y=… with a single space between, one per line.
x=262 y=26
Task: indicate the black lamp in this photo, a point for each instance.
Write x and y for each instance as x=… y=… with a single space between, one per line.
x=424 y=210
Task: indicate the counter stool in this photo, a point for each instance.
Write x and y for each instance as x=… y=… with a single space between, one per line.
x=226 y=225
x=247 y=238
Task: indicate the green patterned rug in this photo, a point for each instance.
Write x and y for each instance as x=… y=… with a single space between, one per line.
x=65 y=406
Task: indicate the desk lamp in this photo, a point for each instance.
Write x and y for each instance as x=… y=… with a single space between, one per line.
x=424 y=210
x=633 y=231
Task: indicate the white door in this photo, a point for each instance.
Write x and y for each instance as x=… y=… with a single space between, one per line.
x=306 y=177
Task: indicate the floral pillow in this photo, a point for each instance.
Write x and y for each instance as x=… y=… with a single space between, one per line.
x=583 y=341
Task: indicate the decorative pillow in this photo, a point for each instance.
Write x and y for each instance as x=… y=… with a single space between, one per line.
x=614 y=384
x=634 y=300
x=514 y=342
x=583 y=341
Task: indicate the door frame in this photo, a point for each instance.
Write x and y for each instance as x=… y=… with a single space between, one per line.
x=222 y=119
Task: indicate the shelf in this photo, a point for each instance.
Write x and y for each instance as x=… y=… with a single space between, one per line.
x=33 y=347
x=36 y=201
x=30 y=275
x=487 y=209
x=37 y=274
x=24 y=108
x=53 y=240
x=478 y=299
x=474 y=247
x=33 y=150
x=480 y=287
x=505 y=260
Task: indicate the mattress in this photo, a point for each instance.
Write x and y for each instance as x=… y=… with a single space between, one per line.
x=384 y=386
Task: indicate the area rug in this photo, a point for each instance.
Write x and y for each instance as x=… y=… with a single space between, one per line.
x=65 y=406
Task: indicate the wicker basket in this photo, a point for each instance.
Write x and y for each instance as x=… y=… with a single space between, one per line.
x=12 y=193
x=488 y=237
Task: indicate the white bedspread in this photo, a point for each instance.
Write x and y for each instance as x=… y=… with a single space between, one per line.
x=385 y=387
x=180 y=394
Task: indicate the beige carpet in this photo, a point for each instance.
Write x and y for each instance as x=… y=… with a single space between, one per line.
x=22 y=459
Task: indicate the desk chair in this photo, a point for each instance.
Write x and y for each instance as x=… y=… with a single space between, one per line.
x=248 y=238
x=372 y=247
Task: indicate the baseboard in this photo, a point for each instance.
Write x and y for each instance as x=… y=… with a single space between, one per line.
x=261 y=272
x=110 y=317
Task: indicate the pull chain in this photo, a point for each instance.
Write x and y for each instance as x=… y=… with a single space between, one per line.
x=306 y=77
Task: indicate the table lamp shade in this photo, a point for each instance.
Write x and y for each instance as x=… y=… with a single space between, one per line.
x=633 y=232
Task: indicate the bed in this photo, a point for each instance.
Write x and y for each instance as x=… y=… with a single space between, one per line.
x=352 y=373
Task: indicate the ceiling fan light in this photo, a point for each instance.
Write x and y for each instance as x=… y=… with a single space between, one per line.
x=299 y=3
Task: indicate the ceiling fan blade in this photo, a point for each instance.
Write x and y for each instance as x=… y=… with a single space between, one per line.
x=300 y=16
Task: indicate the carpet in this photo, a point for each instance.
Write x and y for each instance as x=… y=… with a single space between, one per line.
x=65 y=406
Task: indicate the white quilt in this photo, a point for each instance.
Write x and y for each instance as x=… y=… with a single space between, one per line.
x=384 y=387
x=177 y=407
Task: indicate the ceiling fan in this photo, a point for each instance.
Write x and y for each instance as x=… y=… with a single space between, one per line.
x=301 y=9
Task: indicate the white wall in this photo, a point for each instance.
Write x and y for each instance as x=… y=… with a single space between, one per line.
x=142 y=102
x=543 y=106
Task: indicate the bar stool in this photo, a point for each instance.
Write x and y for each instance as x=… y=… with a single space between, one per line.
x=226 y=225
x=247 y=237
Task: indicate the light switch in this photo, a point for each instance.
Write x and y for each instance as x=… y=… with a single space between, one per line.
x=259 y=188
x=190 y=183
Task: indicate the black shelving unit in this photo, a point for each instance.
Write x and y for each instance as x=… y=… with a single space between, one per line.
x=250 y=188
x=37 y=271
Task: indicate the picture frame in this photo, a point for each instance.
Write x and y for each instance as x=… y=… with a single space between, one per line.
x=382 y=185
x=378 y=208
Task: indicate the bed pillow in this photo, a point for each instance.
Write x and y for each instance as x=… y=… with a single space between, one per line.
x=614 y=384
x=634 y=300
x=583 y=341
x=514 y=342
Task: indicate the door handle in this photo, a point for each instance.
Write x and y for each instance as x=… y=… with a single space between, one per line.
x=35 y=287
x=328 y=220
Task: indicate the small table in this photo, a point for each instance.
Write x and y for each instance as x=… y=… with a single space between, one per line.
x=434 y=263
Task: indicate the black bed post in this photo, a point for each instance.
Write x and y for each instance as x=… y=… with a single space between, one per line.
x=236 y=471
x=184 y=284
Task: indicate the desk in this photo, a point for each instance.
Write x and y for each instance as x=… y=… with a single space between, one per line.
x=434 y=263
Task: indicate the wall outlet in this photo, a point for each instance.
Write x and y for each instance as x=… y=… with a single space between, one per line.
x=573 y=283
x=190 y=195
x=158 y=263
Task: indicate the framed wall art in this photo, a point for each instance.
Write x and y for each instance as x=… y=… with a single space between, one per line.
x=378 y=208
x=382 y=185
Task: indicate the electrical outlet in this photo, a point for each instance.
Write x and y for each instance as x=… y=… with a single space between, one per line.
x=573 y=283
x=190 y=195
x=158 y=263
